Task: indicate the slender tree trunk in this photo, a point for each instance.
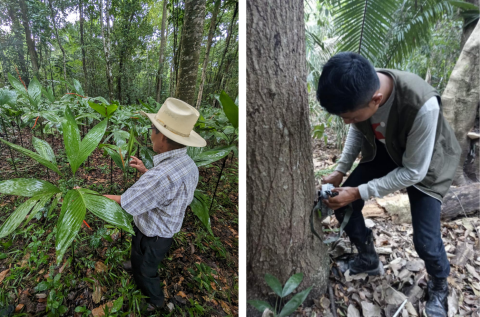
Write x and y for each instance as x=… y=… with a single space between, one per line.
x=28 y=36
x=4 y=61
x=461 y=97
x=191 y=41
x=84 y=64
x=207 y=50
x=229 y=36
x=106 y=47
x=18 y=42
x=162 y=50
x=59 y=44
x=281 y=186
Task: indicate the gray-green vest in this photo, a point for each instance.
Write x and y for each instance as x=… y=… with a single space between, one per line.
x=411 y=93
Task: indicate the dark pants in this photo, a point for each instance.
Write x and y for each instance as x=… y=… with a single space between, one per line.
x=425 y=211
x=147 y=253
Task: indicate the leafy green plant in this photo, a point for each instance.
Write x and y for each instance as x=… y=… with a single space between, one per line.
x=76 y=201
x=282 y=292
x=203 y=276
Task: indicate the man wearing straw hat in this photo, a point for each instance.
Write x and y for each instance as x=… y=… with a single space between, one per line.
x=158 y=200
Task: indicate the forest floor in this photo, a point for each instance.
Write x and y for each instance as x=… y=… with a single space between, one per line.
x=405 y=274
x=200 y=272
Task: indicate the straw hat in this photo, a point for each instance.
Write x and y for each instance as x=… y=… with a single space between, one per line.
x=176 y=120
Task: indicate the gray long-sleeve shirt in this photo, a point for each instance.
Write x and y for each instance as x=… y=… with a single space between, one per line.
x=415 y=160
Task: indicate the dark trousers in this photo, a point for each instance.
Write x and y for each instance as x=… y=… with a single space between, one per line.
x=147 y=253
x=425 y=211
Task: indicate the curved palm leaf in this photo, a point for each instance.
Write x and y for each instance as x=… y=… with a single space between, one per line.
x=16 y=218
x=44 y=149
x=33 y=155
x=27 y=187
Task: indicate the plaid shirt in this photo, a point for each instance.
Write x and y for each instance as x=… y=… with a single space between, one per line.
x=158 y=200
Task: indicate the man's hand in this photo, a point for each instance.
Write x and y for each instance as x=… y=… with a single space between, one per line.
x=138 y=164
x=335 y=179
x=345 y=196
x=115 y=198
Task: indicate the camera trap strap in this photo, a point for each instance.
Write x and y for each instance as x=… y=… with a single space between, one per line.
x=319 y=206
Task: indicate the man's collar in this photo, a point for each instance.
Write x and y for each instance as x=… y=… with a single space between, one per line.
x=157 y=159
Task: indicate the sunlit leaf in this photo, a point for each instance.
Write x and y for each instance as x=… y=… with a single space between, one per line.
x=107 y=210
x=69 y=222
x=293 y=303
x=16 y=218
x=292 y=284
x=44 y=149
x=27 y=187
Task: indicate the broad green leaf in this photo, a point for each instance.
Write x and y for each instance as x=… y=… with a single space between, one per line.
x=69 y=222
x=107 y=210
x=229 y=130
x=27 y=187
x=149 y=108
x=42 y=286
x=41 y=203
x=50 y=116
x=117 y=305
x=7 y=97
x=229 y=107
x=104 y=110
x=78 y=87
x=131 y=142
x=103 y=100
x=90 y=142
x=113 y=152
x=464 y=5
x=54 y=204
x=17 y=85
x=146 y=155
x=34 y=92
x=292 y=284
x=71 y=139
x=16 y=218
x=200 y=207
x=88 y=115
x=44 y=149
x=210 y=156
x=34 y=156
x=48 y=93
x=260 y=305
x=274 y=284
x=293 y=303
x=120 y=137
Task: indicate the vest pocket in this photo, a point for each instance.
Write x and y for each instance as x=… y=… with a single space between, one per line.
x=436 y=165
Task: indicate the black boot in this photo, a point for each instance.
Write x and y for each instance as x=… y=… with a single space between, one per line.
x=366 y=261
x=437 y=293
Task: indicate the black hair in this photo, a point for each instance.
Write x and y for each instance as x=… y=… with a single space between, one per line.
x=347 y=83
x=173 y=145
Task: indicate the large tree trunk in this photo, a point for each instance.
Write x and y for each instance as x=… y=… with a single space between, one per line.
x=106 y=47
x=28 y=36
x=190 y=48
x=59 y=44
x=207 y=50
x=84 y=64
x=163 y=39
x=462 y=96
x=281 y=189
x=18 y=43
x=468 y=29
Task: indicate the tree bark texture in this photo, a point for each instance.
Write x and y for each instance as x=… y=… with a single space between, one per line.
x=162 y=50
x=280 y=178
x=461 y=97
x=190 y=49
x=461 y=201
x=229 y=36
x=106 y=47
x=211 y=31
x=28 y=36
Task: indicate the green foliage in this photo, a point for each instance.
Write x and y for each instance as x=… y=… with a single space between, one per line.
x=289 y=287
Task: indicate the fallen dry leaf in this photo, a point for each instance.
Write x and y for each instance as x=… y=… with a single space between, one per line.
x=371 y=310
x=225 y=307
x=472 y=271
x=3 y=274
x=182 y=294
x=19 y=308
x=97 y=293
x=98 y=312
x=352 y=311
x=100 y=267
